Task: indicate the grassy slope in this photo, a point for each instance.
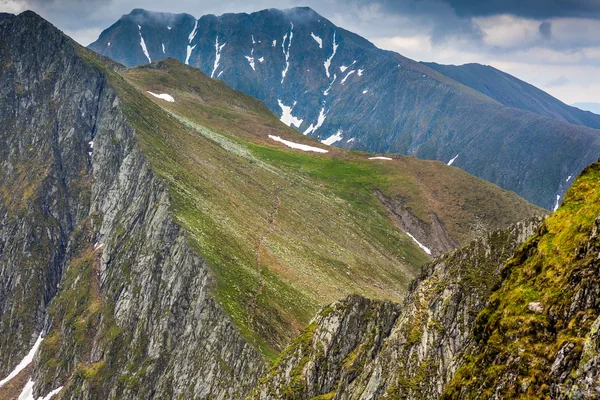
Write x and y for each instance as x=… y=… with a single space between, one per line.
x=285 y=231
x=551 y=268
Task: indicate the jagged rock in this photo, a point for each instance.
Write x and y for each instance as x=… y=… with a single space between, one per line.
x=133 y=315
x=422 y=351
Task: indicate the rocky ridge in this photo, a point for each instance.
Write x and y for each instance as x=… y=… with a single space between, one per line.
x=87 y=228
x=411 y=351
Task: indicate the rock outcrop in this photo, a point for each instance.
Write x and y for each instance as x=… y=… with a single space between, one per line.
x=418 y=356
x=86 y=227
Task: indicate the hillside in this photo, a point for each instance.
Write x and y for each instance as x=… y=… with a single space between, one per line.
x=513 y=92
x=337 y=87
x=157 y=228
x=514 y=314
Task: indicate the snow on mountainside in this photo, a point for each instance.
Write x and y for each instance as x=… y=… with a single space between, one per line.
x=323 y=80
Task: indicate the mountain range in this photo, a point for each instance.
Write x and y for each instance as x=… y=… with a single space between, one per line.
x=165 y=236
x=339 y=88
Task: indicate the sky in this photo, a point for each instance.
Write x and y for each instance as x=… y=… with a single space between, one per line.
x=552 y=44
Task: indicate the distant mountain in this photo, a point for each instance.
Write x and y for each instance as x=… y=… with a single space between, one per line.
x=335 y=86
x=593 y=107
x=513 y=92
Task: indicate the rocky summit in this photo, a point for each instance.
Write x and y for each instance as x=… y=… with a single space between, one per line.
x=335 y=86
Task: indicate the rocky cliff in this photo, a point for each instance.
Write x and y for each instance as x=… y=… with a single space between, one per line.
x=86 y=226
x=411 y=351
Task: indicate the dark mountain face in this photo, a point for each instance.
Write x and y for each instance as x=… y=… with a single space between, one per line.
x=513 y=92
x=336 y=86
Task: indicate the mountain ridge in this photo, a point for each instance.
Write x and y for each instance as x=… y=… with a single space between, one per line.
x=152 y=243
x=344 y=91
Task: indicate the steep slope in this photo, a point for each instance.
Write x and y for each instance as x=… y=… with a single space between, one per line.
x=146 y=244
x=537 y=337
x=90 y=256
x=337 y=87
x=359 y=349
x=513 y=92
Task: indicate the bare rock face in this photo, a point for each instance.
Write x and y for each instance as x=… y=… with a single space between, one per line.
x=85 y=226
x=420 y=354
x=332 y=351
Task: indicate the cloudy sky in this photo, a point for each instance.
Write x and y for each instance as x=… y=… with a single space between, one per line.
x=553 y=44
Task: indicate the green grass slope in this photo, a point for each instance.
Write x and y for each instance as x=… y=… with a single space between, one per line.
x=285 y=231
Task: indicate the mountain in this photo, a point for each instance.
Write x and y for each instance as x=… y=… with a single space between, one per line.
x=513 y=92
x=515 y=314
x=337 y=87
x=165 y=236
x=593 y=107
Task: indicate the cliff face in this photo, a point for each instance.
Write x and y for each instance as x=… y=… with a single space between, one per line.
x=537 y=337
x=420 y=354
x=80 y=205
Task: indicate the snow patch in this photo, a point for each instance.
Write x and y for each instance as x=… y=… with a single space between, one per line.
x=360 y=72
x=287 y=117
x=451 y=161
x=163 y=96
x=380 y=158
x=286 y=52
x=365 y=91
x=343 y=68
x=333 y=138
x=425 y=249
x=320 y=121
x=317 y=39
x=91 y=144
x=143 y=44
x=220 y=73
x=327 y=62
x=298 y=146
x=108 y=44
x=557 y=203
x=163 y=47
x=52 y=393
x=251 y=62
x=191 y=37
x=218 y=48
x=569 y=178
x=326 y=92
x=261 y=60
x=347 y=76
x=24 y=362
x=253 y=41
x=27 y=392
x=274 y=43
x=168 y=27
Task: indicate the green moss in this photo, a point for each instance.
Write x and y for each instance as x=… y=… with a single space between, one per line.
x=550 y=268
